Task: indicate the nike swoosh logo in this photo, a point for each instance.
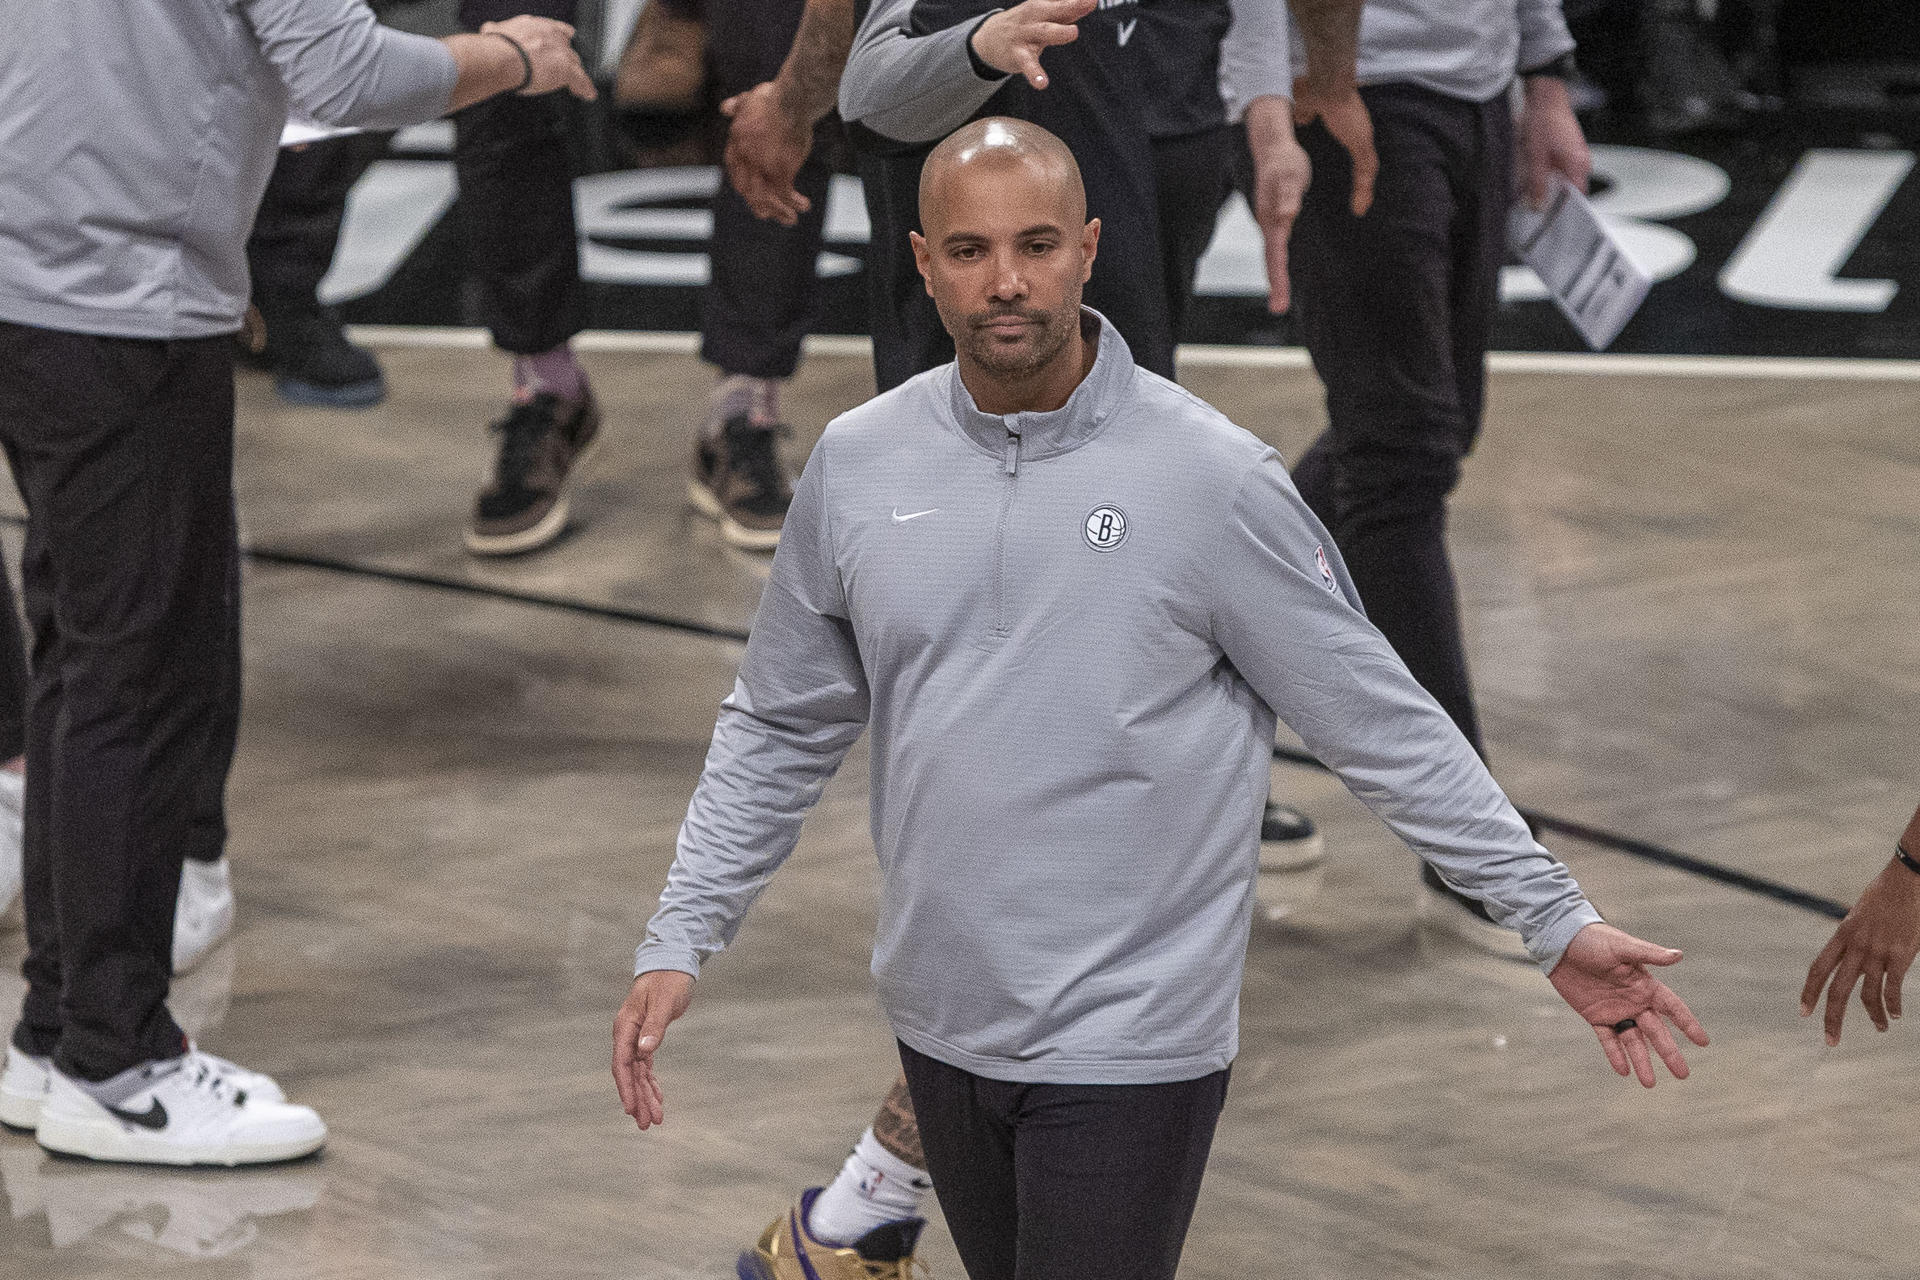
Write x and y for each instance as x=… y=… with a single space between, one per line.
x=154 y=1117
x=1126 y=30
x=900 y=519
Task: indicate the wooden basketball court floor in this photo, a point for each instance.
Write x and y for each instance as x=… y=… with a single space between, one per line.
x=1693 y=608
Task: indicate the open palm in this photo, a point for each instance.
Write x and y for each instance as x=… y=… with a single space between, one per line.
x=1603 y=977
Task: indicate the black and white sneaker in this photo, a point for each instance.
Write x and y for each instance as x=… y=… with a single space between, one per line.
x=545 y=442
x=173 y=1111
x=1293 y=857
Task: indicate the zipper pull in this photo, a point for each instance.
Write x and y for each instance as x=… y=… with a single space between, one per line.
x=1013 y=453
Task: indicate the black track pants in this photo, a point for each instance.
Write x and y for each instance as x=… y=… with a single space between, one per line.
x=1064 y=1182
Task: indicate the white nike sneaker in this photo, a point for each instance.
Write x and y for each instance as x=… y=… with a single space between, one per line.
x=24 y=1085
x=177 y=1111
x=12 y=832
x=203 y=914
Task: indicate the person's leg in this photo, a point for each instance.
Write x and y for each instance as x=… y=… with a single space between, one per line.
x=1192 y=175
x=1109 y=1175
x=124 y=453
x=760 y=302
x=13 y=730
x=967 y=1125
x=1375 y=298
x=516 y=216
x=288 y=253
x=38 y=1030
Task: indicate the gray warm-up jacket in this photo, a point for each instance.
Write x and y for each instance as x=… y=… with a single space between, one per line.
x=1070 y=633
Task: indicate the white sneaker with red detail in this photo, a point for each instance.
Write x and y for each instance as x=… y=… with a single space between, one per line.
x=24 y=1084
x=175 y=1111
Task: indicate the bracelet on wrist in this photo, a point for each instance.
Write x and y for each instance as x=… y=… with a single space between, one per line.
x=526 y=61
x=1900 y=852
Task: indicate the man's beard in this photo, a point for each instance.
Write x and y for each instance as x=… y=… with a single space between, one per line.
x=1047 y=336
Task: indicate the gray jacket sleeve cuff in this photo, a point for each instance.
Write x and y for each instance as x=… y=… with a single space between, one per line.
x=1550 y=944
x=649 y=956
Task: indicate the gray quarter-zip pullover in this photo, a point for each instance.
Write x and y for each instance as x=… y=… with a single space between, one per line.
x=1069 y=633
x=136 y=138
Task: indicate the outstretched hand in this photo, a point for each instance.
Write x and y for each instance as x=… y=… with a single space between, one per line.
x=1342 y=113
x=1013 y=39
x=1603 y=977
x=657 y=998
x=1877 y=941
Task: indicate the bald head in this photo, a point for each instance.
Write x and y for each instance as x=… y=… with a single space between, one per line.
x=994 y=150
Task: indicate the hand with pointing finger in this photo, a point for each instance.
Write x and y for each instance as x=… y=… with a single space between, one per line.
x=1604 y=977
x=1013 y=39
x=657 y=998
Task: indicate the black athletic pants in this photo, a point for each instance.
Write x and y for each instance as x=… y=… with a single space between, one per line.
x=515 y=208
x=298 y=226
x=1064 y=1182
x=123 y=450
x=1396 y=309
x=1156 y=199
x=763 y=296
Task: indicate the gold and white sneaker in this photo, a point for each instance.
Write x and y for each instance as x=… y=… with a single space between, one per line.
x=787 y=1251
x=173 y=1111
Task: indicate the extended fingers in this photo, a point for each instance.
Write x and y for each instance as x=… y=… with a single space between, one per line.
x=1663 y=1044
x=1635 y=1043
x=1837 y=994
x=1817 y=972
x=1279 y=284
x=1667 y=1002
x=1616 y=1054
x=1875 y=973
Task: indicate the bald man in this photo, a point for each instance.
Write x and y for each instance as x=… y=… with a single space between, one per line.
x=1070 y=600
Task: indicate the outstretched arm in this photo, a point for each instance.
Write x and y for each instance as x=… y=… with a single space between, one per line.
x=797 y=706
x=920 y=88
x=1287 y=616
x=1877 y=942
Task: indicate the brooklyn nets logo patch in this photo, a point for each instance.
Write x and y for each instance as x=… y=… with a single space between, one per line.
x=1105 y=528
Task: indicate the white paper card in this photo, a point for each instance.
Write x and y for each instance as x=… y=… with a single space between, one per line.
x=300 y=131
x=1592 y=280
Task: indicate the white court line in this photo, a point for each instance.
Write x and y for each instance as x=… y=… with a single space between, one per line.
x=1223 y=357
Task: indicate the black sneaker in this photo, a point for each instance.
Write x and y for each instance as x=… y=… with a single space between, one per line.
x=313 y=363
x=1454 y=913
x=543 y=444
x=740 y=481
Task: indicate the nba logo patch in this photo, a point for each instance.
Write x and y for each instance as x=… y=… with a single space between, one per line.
x=1326 y=570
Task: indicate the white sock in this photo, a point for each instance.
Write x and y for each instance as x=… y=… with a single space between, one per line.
x=874 y=1187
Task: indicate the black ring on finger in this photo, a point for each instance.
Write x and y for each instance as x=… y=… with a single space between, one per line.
x=1625 y=1024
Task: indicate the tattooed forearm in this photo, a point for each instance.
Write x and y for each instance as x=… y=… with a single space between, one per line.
x=896 y=1128
x=809 y=80
x=1331 y=30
